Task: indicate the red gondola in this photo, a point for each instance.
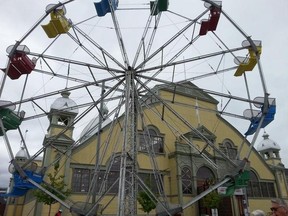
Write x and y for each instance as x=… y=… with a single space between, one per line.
x=212 y=22
x=20 y=64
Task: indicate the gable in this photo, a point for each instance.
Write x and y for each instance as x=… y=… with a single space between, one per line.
x=187 y=89
x=201 y=131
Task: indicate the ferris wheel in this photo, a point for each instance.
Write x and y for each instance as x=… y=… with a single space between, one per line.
x=111 y=57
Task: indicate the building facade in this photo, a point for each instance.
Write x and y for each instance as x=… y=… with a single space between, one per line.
x=190 y=147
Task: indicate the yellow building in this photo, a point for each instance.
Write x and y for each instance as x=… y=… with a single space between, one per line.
x=178 y=149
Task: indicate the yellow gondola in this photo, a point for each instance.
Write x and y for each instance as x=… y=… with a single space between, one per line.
x=247 y=64
x=57 y=25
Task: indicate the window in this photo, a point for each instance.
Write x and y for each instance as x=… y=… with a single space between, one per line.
x=258 y=188
x=100 y=178
x=150 y=139
x=63 y=120
x=186 y=180
x=150 y=180
x=113 y=176
x=271 y=189
x=80 y=180
x=228 y=148
x=204 y=174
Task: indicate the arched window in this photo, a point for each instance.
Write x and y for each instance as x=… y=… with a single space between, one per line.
x=151 y=139
x=229 y=149
x=63 y=120
x=186 y=180
x=254 y=189
x=204 y=177
x=257 y=188
x=204 y=174
x=266 y=155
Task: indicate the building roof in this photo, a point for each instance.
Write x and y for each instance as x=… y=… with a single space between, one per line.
x=3 y=190
x=65 y=103
x=185 y=88
x=92 y=127
x=21 y=153
x=267 y=144
x=188 y=89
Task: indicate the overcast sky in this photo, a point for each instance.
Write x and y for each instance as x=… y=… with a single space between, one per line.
x=262 y=19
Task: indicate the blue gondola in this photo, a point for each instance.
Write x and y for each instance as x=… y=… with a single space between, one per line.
x=255 y=119
x=16 y=192
x=22 y=185
x=103 y=7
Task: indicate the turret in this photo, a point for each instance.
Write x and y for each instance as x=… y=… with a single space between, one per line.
x=269 y=150
x=62 y=114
